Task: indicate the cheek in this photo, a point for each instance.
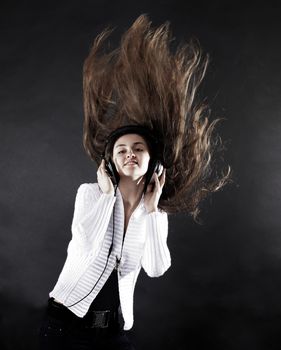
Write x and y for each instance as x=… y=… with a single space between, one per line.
x=146 y=159
x=117 y=161
x=114 y=158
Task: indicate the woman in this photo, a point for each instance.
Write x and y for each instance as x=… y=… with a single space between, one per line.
x=103 y=243
x=140 y=118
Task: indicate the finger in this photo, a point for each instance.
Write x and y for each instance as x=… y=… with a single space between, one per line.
x=149 y=188
x=103 y=168
x=157 y=183
x=101 y=165
x=163 y=178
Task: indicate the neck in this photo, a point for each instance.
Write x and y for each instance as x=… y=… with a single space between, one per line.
x=131 y=191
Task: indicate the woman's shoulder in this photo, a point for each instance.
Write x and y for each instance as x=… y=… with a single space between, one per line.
x=89 y=187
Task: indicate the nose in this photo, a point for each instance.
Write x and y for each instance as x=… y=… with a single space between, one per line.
x=130 y=154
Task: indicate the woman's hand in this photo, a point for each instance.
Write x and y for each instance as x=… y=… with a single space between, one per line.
x=154 y=191
x=104 y=180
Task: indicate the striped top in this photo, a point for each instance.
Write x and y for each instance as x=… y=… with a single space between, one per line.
x=87 y=263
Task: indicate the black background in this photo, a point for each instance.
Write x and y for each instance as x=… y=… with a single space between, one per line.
x=223 y=288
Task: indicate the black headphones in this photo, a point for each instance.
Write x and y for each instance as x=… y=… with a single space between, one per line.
x=155 y=164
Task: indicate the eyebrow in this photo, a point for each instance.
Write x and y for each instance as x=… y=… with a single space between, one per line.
x=135 y=143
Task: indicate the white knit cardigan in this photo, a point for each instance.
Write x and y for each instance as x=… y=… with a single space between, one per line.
x=145 y=245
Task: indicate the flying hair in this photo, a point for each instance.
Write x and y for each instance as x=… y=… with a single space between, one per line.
x=142 y=82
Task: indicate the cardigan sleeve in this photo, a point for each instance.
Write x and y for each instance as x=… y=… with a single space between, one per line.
x=92 y=212
x=156 y=258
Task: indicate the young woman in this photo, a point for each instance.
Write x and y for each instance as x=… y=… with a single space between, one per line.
x=153 y=147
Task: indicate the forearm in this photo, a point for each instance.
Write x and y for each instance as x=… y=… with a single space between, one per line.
x=156 y=258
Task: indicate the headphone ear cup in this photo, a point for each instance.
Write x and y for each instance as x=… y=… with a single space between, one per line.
x=112 y=171
x=158 y=168
x=108 y=168
x=155 y=166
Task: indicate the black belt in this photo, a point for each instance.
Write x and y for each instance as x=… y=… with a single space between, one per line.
x=92 y=319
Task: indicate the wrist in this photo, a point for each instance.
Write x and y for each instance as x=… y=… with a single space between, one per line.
x=151 y=210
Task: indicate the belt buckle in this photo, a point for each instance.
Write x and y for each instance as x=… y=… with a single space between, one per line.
x=100 y=319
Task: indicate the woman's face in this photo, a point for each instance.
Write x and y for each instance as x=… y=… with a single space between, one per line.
x=131 y=156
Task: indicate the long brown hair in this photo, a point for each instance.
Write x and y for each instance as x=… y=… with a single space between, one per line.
x=142 y=82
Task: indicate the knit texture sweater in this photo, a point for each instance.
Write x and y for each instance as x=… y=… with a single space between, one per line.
x=98 y=220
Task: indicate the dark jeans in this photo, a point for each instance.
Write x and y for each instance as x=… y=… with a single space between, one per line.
x=58 y=332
